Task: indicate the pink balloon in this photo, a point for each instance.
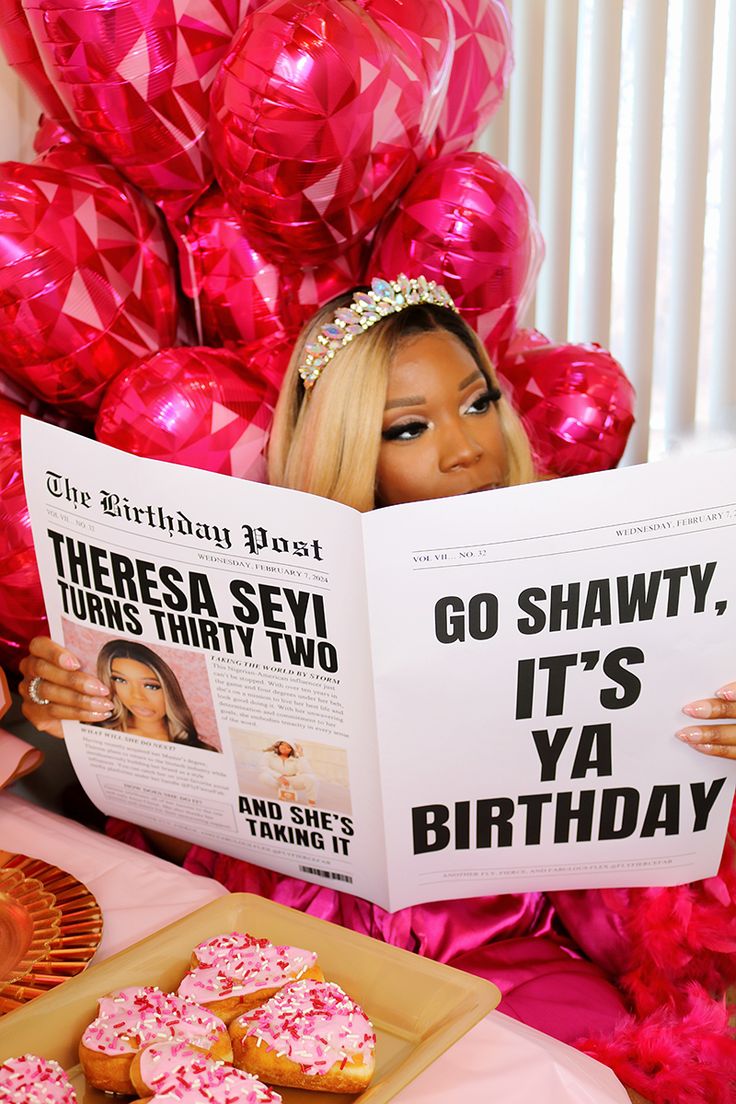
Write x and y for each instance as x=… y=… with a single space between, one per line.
x=235 y=289
x=467 y=223
x=194 y=406
x=523 y=340
x=238 y=294
x=576 y=405
x=319 y=119
x=313 y=287
x=425 y=33
x=52 y=133
x=268 y=357
x=86 y=285
x=481 y=68
x=22 y=612
x=33 y=406
x=13 y=392
x=19 y=47
x=135 y=77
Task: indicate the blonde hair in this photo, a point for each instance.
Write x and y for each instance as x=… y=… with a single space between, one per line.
x=178 y=719
x=328 y=443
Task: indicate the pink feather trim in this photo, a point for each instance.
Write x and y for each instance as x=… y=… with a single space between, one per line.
x=679 y=934
x=673 y=1056
x=680 y=1048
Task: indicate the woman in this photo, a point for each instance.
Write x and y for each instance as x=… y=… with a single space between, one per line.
x=390 y=398
x=357 y=438
x=286 y=774
x=145 y=696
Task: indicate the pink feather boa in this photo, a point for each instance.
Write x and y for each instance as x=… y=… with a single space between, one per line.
x=683 y=1055
x=678 y=1046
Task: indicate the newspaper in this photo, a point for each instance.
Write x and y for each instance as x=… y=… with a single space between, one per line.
x=438 y=700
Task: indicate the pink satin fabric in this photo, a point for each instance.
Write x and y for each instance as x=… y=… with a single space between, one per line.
x=514 y=940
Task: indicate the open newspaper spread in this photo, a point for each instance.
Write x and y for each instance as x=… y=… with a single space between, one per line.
x=432 y=701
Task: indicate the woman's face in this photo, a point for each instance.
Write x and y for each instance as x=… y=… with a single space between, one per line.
x=138 y=689
x=284 y=750
x=441 y=433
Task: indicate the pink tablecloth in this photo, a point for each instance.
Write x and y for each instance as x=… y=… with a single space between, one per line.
x=109 y=869
x=499 y=1059
x=17 y=758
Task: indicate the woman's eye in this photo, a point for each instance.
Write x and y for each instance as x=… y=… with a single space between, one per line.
x=152 y=686
x=117 y=680
x=404 y=431
x=481 y=404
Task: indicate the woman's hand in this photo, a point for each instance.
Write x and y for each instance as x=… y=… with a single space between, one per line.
x=713 y=739
x=53 y=673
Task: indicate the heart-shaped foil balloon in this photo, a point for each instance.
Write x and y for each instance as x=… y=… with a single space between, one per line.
x=21 y=52
x=239 y=296
x=135 y=77
x=194 y=406
x=22 y=612
x=481 y=68
x=319 y=119
x=86 y=284
x=576 y=404
x=466 y=222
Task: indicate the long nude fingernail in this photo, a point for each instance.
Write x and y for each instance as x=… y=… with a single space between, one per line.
x=95 y=688
x=698 y=709
x=70 y=662
x=692 y=735
x=726 y=694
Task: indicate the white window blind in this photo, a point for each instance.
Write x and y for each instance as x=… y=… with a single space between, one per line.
x=621 y=121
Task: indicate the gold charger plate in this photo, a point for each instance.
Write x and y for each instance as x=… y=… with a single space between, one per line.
x=75 y=940
x=29 y=924
x=418 y=1007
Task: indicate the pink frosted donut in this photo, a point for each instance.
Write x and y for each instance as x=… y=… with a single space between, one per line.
x=175 y=1072
x=136 y=1016
x=310 y=1035
x=233 y=973
x=32 y=1080
x=212 y=952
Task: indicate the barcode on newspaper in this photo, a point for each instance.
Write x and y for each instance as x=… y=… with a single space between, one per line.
x=325 y=873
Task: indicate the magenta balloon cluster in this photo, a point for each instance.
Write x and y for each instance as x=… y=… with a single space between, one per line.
x=208 y=174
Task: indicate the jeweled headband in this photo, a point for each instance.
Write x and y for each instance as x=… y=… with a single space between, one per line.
x=367 y=307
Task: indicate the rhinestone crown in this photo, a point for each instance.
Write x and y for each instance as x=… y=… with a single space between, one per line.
x=367 y=307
